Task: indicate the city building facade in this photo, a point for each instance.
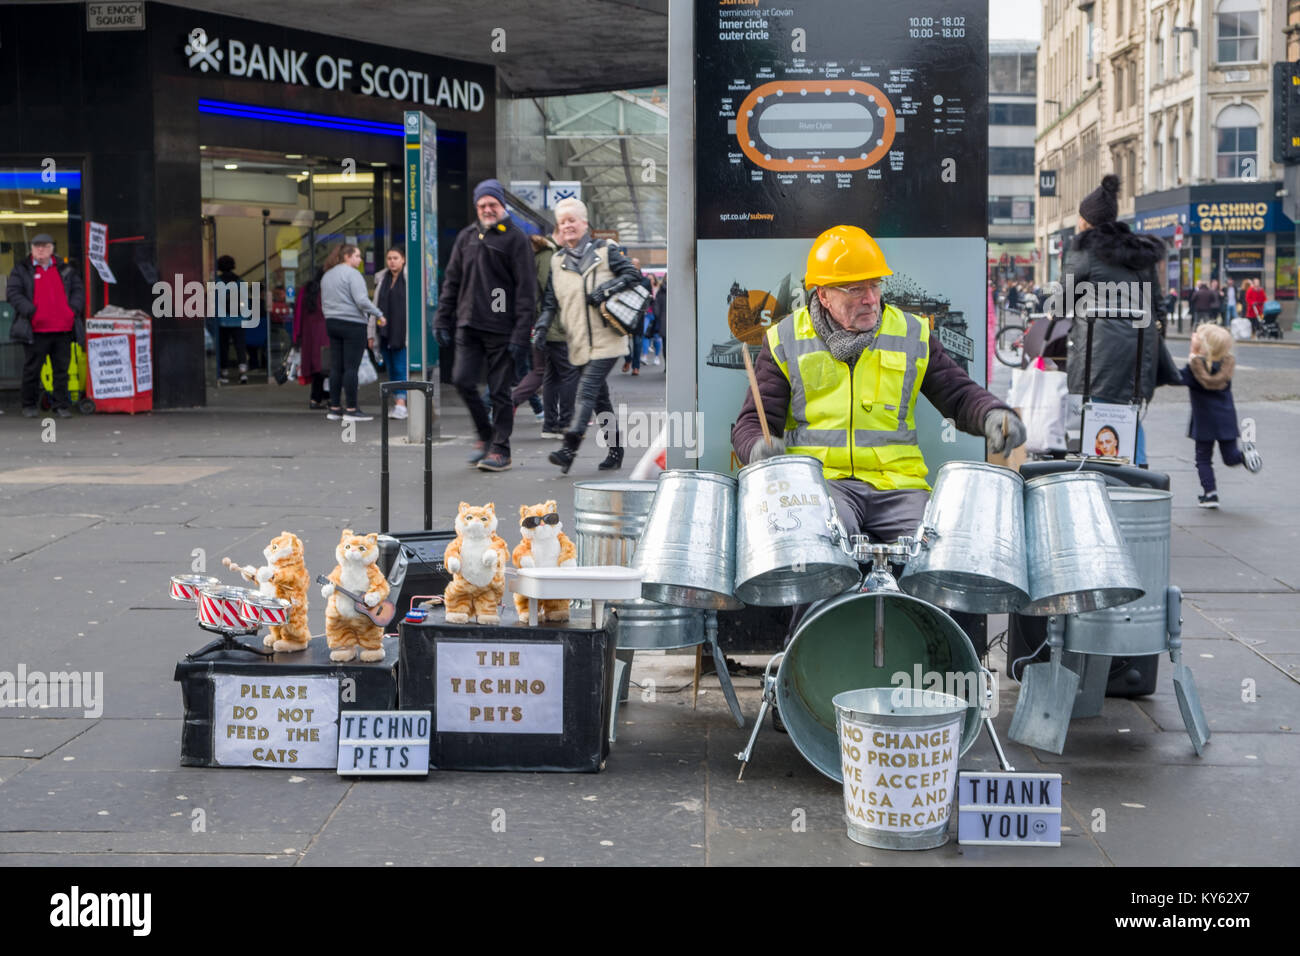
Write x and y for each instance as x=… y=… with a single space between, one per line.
x=1013 y=90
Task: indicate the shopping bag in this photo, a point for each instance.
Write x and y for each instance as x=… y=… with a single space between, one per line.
x=293 y=364
x=1040 y=396
x=1241 y=329
x=366 y=374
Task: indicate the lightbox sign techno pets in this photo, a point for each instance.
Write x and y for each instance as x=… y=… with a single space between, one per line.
x=272 y=64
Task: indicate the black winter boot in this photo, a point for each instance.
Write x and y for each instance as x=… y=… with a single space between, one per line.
x=613 y=460
x=564 y=455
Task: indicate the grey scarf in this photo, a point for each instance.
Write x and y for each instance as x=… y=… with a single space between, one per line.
x=846 y=345
x=575 y=255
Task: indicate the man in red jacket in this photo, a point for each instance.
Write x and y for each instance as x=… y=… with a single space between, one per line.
x=49 y=299
x=839 y=381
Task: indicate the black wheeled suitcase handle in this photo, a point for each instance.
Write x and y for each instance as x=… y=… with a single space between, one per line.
x=428 y=389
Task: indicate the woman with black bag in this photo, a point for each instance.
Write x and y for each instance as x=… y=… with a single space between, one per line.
x=390 y=298
x=586 y=273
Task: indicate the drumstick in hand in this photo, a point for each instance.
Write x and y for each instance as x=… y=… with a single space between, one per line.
x=753 y=387
x=249 y=573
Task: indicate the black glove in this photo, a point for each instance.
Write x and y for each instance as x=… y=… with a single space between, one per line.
x=604 y=291
x=520 y=352
x=538 y=337
x=443 y=337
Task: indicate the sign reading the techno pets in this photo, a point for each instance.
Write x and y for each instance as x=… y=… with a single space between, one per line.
x=275 y=722
x=384 y=743
x=500 y=688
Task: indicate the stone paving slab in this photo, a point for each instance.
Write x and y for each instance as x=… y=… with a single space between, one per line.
x=26 y=534
x=36 y=737
x=1215 y=816
x=113 y=858
x=832 y=847
x=235 y=801
x=11 y=767
x=1219 y=683
x=183 y=841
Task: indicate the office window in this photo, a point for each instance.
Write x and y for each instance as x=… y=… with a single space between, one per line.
x=1011 y=114
x=1237 y=143
x=1238 y=25
x=1119 y=89
x=1132 y=84
x=1158 y=52
x=1011 y=161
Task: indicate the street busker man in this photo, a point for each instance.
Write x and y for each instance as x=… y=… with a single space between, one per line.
x=839 y=381
x=48 y=298
x=487 y=306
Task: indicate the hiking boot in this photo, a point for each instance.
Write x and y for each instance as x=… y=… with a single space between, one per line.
x=564 y=455
x=494 y=462
x=613 y=460
x=1250 y=457
x=1210 y=500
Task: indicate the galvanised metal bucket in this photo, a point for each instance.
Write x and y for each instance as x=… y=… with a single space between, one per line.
x=972 y=555
x=898 y=751
x=786 y=549
x=832 y=652
x=608 y=519
x=1139 y=627
x=687 y=552
x=1077 y=557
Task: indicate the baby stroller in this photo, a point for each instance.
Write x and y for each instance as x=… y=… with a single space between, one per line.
x=1268 y=324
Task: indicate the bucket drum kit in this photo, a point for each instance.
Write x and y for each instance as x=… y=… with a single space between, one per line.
x=231 y=612
x=989 y=543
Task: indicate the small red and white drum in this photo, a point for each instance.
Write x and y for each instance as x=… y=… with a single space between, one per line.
x=219 y=608
x=186 y=587
x=258 y=608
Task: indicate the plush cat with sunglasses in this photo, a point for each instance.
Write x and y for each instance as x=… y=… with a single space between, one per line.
x=544 y=546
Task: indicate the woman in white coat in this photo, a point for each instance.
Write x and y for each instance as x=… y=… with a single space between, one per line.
x=584 y=273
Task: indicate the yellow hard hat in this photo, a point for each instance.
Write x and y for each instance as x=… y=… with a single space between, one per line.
x=844 y=254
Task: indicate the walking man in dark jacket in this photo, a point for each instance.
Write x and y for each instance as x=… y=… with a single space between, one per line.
x=489 y=296
x=48 y=299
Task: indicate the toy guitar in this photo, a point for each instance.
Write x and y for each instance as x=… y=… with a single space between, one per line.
x=380 y=615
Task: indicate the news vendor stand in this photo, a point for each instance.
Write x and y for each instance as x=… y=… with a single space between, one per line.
x=119 y=360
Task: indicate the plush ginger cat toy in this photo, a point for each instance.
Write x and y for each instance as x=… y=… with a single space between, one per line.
x=477 y=562
x=283 y=576
x=345 y=627
x=544 y=546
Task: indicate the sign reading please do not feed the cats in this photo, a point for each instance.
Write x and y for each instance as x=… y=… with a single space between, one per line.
x=275 y=722
x=500 y=688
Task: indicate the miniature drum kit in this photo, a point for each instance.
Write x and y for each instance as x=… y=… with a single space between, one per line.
x=229 y=611
x=989 y=542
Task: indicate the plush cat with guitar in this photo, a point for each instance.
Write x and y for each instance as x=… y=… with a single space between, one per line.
x=358 y=608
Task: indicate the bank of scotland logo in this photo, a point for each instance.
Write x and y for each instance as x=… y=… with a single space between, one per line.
x=204 y=52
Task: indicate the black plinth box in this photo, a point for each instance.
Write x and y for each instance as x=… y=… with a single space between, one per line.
x=520 y=720
x=374 y=687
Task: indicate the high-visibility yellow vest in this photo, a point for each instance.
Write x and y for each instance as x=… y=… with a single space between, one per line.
x=859 y=424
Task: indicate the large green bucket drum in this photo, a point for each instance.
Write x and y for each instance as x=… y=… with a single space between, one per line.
x=832 y=652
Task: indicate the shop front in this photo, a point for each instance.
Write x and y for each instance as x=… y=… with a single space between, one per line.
x=204 y=136
x=1224 y=232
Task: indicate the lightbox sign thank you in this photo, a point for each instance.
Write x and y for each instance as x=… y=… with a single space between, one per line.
x=292 y=67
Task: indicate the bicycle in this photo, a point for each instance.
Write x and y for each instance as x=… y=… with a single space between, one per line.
x=1009 y=345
